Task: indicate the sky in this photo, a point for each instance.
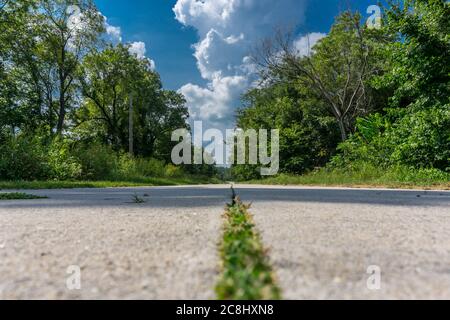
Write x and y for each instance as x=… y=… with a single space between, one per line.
x=201 y=47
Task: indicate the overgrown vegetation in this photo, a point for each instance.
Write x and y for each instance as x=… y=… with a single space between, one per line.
x=246 y=271
x=75 y=107
x=371 y=106
x=367 y=175
x=18 y=196
x=26 y=158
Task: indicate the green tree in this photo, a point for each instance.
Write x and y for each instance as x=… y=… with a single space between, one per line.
x=420 y=58
x=18 y=102
x=338 y=70
x=308 y=134
x=415 y=131
x=67 y=30
x=110 y=78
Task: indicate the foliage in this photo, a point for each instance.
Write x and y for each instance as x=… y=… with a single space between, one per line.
x=415 y=132
x=65 y=99
x=44 y=158
x=308 y=133
x=98 y=161
x=23 y=158
x=246 y=274
x=420 y=58
x=402 y=126
x=363 y=174
x=110 y=79
x=337 y=71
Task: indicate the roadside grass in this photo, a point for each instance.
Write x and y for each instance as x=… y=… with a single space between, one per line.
x=18 y=196
x=366 y=177
x=246 y=271
x=34 y=185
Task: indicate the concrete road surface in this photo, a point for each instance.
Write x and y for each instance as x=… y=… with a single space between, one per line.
x=322 y=242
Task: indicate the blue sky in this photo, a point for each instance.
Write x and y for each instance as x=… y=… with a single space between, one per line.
x=219 y=33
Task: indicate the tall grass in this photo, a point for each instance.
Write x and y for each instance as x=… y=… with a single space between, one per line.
x=367 y=175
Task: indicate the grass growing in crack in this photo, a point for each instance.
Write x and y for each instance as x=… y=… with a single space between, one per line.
x=246 y=271
x=138 y=199
x=18 y=196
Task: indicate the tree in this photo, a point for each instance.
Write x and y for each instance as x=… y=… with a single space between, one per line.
x=67 y=30
x=17 y=102
x=415 y=130
x=337 y=70
x=308 y=135
x=109 y=78
x=420 y=58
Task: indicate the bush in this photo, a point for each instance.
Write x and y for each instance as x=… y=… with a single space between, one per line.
x=138 y=168
x=419 y=139
x=98 y=161
x=23 y=158
x=41 y=158
x=173 y=171
x=61 y=163
x=422 y=139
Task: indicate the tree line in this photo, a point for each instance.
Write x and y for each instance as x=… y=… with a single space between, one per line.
x=66 y=92
x=363 y=95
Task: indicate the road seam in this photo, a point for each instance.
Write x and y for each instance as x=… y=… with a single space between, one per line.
x=246 y=273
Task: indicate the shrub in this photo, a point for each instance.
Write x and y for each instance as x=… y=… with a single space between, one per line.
x=172 y=171
x=418 y=139
x=150 y=167
x=137 y=168
x=23 y=158
x=41 y=158
x=61 y=163
x=98 y=161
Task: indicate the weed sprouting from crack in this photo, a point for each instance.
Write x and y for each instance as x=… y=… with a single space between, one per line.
x=137 y=199
x=246 y=269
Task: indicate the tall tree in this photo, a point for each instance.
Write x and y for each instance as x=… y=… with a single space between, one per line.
x=420 y=58
x=109 y=79
x=337 y=70
x=67 y=30
x=15 y=108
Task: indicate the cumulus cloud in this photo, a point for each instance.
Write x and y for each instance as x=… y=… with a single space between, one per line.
x=138 y=48
x=228 y=29
x=213 y=103
x=304 y=44
x=114 y=33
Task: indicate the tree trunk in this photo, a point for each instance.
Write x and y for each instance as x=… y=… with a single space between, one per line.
x=344 y=135
x=61 y=114
x=62 y=98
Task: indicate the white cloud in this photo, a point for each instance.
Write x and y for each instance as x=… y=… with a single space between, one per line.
x=138 y=48
x=217 y=54
x=214 y=103
x=228 y=30
x=114 y=33
x=304 y=44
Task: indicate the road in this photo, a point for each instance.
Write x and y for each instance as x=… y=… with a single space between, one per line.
x=321 y=242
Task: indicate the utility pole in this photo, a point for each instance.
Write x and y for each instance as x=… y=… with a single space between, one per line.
x=130 y=127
